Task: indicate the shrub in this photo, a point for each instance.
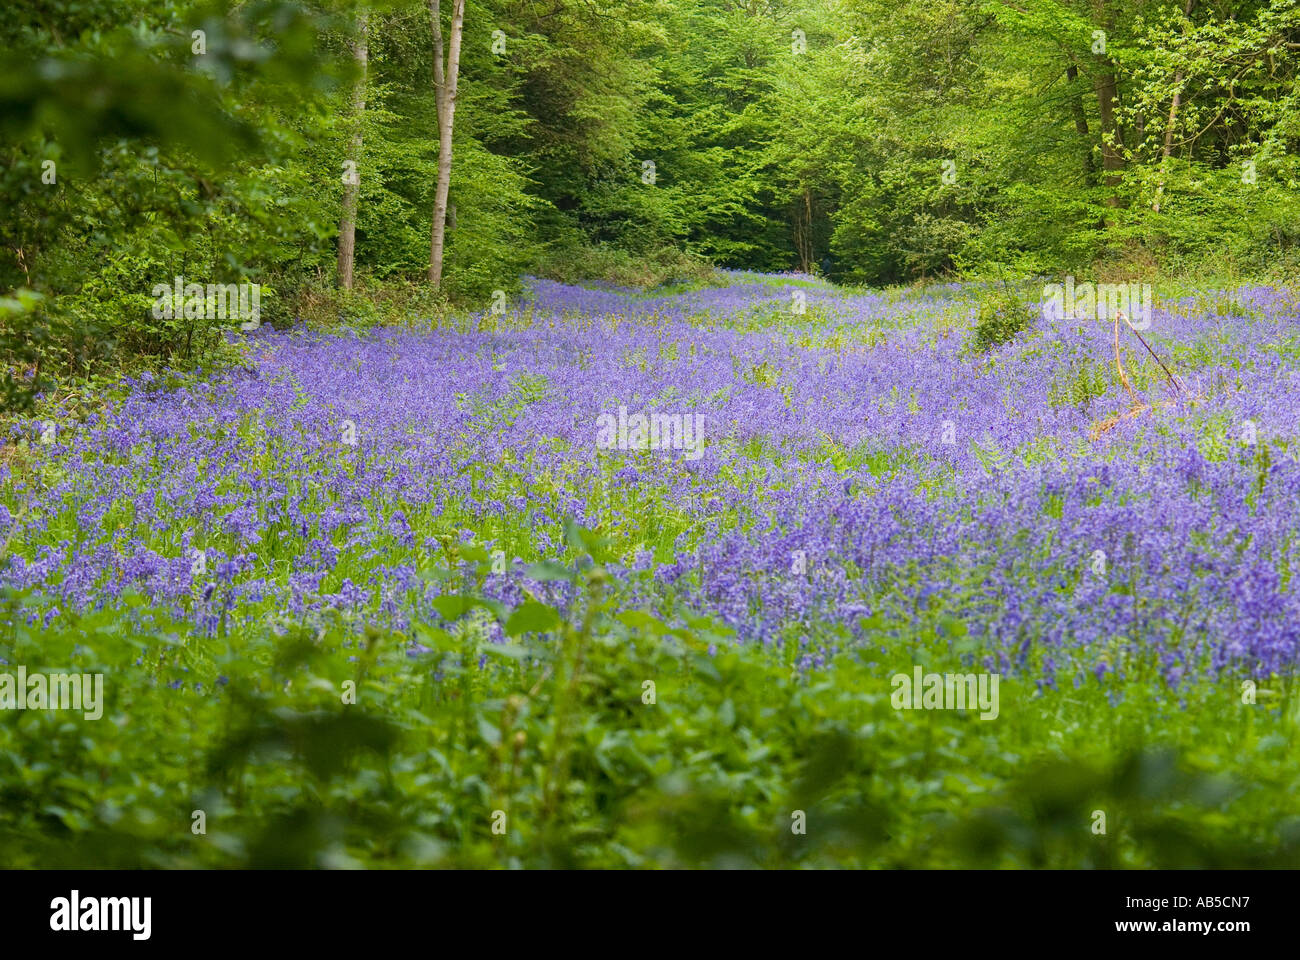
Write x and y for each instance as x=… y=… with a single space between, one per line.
x=572 y=263
x=1002 y=314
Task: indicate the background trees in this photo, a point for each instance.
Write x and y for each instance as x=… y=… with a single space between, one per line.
x=887 y=140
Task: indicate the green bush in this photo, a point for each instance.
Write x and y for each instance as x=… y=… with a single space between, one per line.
x=663 y=266
x=1000 y=316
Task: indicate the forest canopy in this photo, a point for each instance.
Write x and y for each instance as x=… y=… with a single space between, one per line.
x=873 y=141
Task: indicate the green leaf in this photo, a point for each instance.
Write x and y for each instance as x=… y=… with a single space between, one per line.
x=511 y=651
x=531 y=617
x=548 y=570
x=452 y=606
x=642 y=621
x=489 y=731
x=455 y=606
x=473 y=552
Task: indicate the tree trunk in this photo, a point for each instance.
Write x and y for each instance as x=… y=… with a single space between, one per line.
x=444 y=85
x=1107 y=88
x=1169 y=125
x=352 y=181
x=1080 y=121
x=803 y=241
x=1112 y=160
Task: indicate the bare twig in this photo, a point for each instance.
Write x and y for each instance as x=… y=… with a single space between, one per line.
x=1173 y=381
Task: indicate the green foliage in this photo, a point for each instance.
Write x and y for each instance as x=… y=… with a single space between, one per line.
x=1079 y=384
x=131 y=160
x=658 y=269
x=329 y=748
x=1000 y=316
x=874 y=142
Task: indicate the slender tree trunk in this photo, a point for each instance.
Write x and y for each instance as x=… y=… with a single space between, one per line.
x=1107 y=88
x=1169 y=125
x=351 y=181
x=1169 y=139
x=444 y=84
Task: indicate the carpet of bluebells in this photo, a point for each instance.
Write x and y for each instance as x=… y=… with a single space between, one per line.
x=870 y=487
x=824 y=434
